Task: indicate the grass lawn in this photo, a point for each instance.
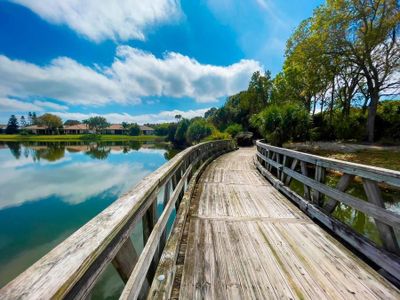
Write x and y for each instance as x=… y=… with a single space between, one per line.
x=380 y=158
x=78 y=137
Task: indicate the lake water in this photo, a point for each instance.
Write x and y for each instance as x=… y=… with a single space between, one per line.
x=49 y=190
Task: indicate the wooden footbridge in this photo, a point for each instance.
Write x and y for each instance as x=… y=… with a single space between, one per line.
x=240 y=232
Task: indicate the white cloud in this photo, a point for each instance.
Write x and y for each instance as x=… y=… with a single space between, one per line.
x=111 y=19
x=42 y=183
x=133 y=74
x=164 y=116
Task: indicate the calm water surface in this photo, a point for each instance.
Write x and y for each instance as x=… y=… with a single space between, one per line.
x=49 y=190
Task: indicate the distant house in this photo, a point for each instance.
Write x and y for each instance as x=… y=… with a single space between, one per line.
x=38 y=129
x=3 y=128
x=76 y=129
x=115 y=129
x=146 y=130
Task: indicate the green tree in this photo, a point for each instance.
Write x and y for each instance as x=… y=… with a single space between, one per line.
x=364 y=34
x=234 y=129
x=96 y=123
x=12 y=125
x=180 y=133
x=53 y=122
x=197 y=130
x=71 y=122
x=34 y=119
x=22 y=121
x=281 y=123
x=134 y=129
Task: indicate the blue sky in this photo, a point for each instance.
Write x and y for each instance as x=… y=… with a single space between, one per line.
x=137 y=61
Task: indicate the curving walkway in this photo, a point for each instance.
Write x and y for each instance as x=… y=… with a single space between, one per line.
x=244 y=240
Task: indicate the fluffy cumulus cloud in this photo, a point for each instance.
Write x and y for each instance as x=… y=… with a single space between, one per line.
x=132 y=75
x=111 y=19
x=164 y=116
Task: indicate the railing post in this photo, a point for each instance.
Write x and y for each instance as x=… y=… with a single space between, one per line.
x=304 y=170
x=166 y=196
x=317 y=197
x=386 y=232
x=125 y=261
x=149 y=220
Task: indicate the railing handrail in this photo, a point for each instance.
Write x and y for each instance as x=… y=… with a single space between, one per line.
x=280 y=166
x=72 y=268
x=379 y=174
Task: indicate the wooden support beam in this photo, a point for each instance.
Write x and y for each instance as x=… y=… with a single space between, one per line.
x=166 y=196
x=135 y=282
x=319 y=176
x=292 y=167
x=148 y=221
x=342 y=186
x=386 y=232
x=304 y=170
x=284 y=162
x=125 y=261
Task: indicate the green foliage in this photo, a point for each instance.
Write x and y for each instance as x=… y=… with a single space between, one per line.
x=134 y=129
x=51 y=121
x=96 y=123
x=12 y=125
x=71 y=122
x=217 y=135
x=234 y=129
x=162 y=129
x=281 y=123
x=198 y=130
x=180 y=133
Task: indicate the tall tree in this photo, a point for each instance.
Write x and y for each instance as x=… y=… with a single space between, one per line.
x=12 y=125
x=365 y=34
x=96 y=123
x=53 y=122
x=22 y=121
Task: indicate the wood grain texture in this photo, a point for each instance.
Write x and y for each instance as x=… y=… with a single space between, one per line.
x=72 y=268
x=247 y=241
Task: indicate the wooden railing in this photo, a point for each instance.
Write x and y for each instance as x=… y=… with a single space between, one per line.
x=319 y=200
x=72 y=269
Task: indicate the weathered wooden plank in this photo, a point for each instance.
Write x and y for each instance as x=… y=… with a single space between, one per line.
x=134 y=284
x=320 y=177
x=306 y=188
x=125 y=260
x=373 y=173
x=292 y=167
x=91 y=248
x=384 y=259
x=386 y=232
x=381 y=214
x=236 y=249
x=163 y=281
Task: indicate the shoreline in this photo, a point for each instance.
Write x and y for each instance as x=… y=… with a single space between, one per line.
x=78 y=138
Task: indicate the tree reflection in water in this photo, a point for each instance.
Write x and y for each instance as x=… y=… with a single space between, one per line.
x=54 y=151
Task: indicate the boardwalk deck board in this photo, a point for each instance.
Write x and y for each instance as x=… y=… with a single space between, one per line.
x=247 y=241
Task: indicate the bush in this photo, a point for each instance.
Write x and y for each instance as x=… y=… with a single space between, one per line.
x=198 y=130
x=134 y=129
x=217 y=135
x=234 y=129
x=282 y=123
x=180 y=133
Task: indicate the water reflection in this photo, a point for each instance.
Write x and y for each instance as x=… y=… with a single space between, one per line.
x=48 y=190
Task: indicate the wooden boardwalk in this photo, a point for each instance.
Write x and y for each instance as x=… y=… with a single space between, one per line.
x=244 y=240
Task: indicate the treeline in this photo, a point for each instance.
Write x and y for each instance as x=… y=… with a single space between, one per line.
x=185 y=132
x=339 y=65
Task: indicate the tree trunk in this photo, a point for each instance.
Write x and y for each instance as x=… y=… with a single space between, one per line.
x=373 y=106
